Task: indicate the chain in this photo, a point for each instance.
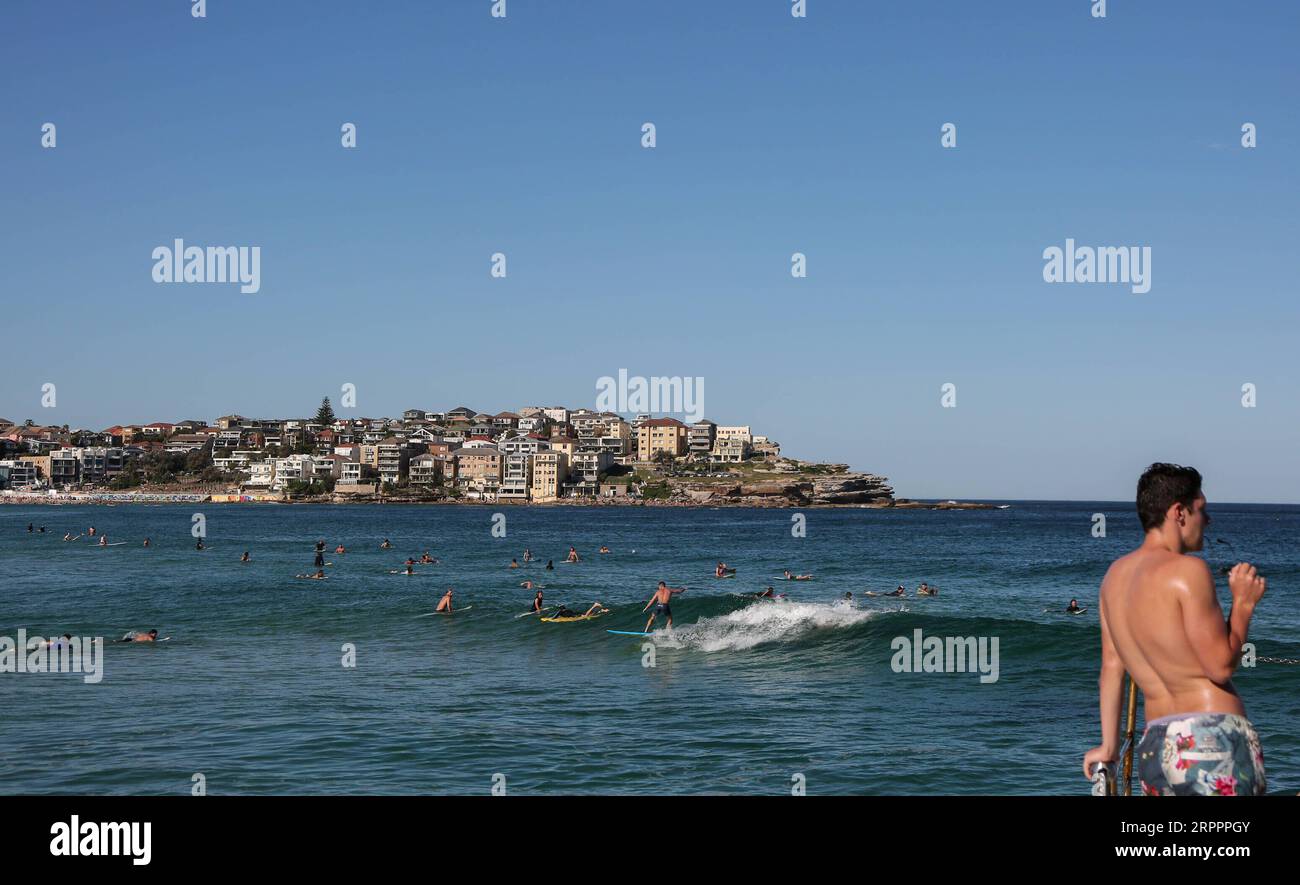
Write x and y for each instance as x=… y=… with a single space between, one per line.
x=1279 y=660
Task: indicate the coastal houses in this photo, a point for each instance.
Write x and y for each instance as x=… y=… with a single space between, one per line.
x=538 y=453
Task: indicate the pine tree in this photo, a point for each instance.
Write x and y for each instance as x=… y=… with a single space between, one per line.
x=325 y=414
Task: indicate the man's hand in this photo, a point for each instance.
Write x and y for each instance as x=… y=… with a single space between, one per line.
x=1104 y=755
x=1246 y=584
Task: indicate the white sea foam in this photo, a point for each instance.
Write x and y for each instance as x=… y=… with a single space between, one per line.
x=764 y=621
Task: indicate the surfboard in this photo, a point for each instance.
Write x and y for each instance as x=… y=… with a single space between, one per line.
x=731 y=575
x=571 y=620
x=626 y=633
x=538 y=612
x=1079 y=612
x=452 y=612
x=114 y=544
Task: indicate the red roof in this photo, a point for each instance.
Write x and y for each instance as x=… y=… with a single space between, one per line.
x=662 y=422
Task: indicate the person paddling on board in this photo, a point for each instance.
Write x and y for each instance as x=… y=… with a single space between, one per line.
x=136 y=636
x=722 y=571
x=603 y=549
x=444 y=605
x=426 y=559
x=387 y=545
x=244 y=558
x=1073 y=607
x=662 y=601
x=198 y=545
x=1162 y=623
x=566 y=612
x=103 y=540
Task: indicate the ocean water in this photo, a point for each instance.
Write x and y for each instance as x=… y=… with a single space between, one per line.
x=743 y=697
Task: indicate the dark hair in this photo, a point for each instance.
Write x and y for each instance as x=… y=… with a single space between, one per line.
x=1162 y=486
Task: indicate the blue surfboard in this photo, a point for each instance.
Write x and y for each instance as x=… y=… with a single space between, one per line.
x=626 y=633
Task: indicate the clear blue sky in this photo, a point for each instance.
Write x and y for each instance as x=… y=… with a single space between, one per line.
x=775 y=135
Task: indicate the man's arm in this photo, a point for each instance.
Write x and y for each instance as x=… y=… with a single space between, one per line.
x=1110 y=687
x=1110 y=690
x=675 y=590
x=1216 y=642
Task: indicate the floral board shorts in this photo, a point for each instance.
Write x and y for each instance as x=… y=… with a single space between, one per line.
x=1201 y=754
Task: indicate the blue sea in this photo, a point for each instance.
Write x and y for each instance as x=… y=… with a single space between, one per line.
x=744 y=696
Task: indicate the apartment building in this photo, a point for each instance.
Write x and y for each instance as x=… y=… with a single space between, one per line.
x=656 y=435
x=550 y=470
x=517 y=476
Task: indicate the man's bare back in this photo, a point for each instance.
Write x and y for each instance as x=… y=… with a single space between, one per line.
x=1153 y=603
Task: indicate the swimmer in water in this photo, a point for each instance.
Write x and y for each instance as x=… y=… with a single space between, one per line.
x=146 y=542
x=319 y=576
x=340 y=550
x=550 y=565
x=136 y=636
x=514 y=564
x=387 y=545
x=604 y=549
x=244 y=558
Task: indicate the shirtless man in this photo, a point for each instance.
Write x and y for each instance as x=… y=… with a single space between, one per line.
x=136 y=636
x=661 y=600
x=1161 y=621
x=444 y=605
